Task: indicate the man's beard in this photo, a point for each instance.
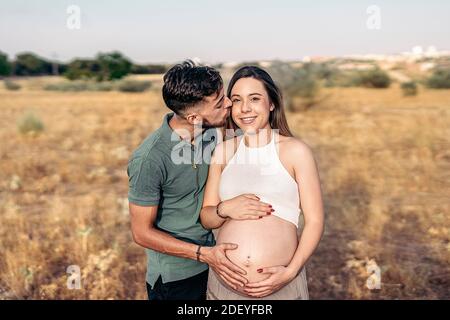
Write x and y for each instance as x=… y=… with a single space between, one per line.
x=206 y=124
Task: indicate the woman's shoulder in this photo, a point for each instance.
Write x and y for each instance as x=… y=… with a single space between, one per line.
x=294 y=147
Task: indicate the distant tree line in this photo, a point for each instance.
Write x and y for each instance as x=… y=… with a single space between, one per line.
x=105 y=66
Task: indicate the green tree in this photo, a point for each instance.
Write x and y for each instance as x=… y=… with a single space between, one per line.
x=113 y=66
x=29 y=64
x=148 y=69
x=5 y=65
x=440 y=79
x=375 y=78
x=296 y=82
x=409 y=88
x=82 y=69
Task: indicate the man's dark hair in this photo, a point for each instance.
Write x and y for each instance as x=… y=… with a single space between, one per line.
x=187 y=83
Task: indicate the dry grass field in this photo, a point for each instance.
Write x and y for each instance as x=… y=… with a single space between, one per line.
x=384 y=162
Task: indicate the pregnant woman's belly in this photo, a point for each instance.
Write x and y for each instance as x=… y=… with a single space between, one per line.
x=270 y=241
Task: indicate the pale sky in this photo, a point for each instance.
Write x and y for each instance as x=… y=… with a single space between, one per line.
x=218 y=31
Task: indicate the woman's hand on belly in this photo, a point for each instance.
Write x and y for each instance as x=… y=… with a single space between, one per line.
x=279 y=276
x=268 y=242
x=244 y=207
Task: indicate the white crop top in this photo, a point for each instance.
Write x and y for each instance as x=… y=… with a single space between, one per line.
x=259 y=171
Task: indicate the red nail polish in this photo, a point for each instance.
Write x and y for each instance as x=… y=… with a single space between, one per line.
x=272 y=210
x=259 y=270
x=260 y=218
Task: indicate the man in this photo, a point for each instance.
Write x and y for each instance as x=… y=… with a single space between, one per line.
x=167 y=174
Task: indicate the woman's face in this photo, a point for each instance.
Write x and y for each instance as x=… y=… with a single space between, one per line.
x=251 y=105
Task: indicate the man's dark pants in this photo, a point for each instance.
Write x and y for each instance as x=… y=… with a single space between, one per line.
x=193 y=288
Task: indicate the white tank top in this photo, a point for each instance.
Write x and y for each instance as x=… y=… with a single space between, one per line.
x=259 y=171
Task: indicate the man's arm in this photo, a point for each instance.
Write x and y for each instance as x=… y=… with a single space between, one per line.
x=146 y=177
x=146 y=235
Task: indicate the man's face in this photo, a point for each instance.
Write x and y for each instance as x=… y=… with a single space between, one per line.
x=214 y=109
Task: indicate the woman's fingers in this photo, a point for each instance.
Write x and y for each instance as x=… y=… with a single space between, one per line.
x=254 y=200
x=251 y=196
x=264 y=283
x=259 y=203
x=261 y=295
x=265 y=209
x=250 y=217
x=257 y=290
x=258 y=209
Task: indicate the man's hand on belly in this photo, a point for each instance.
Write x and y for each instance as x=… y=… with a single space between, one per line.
x=217 y=259
x=279 y=277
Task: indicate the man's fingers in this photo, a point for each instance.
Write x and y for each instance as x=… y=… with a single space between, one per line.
x=230 y=281
x=230 y=265
x=235 y=272
x=224 y=278
x=228 y=246
x=236 y=278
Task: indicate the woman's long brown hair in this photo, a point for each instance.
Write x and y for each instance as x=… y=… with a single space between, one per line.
x=277 y=117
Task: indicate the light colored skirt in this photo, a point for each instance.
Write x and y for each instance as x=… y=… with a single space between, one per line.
x=297 y=289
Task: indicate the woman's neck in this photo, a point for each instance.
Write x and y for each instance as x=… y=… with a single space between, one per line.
x=259 y=138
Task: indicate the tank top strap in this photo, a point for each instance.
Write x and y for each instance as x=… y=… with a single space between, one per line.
x=273 y=146
x=241 y=142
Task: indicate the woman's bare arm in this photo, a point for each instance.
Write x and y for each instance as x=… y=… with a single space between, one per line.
x=208 y=216
x=308 y=180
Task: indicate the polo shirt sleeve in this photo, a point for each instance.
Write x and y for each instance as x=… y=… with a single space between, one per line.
x=145 y=178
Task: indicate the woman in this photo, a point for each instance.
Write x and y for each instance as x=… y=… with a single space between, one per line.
x=265 y=167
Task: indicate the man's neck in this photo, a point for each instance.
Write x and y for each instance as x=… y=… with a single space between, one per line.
x=183 y=128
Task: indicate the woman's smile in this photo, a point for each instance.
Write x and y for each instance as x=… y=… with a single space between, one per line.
x=248 y=120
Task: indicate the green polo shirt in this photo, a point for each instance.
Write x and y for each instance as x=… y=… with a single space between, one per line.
x=171 y=173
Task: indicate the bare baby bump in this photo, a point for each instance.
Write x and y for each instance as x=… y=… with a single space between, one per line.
x=267 y=242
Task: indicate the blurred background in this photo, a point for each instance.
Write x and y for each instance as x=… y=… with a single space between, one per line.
x=366 y=86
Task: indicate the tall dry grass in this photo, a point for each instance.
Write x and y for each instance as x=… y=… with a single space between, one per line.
x=384 y=162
